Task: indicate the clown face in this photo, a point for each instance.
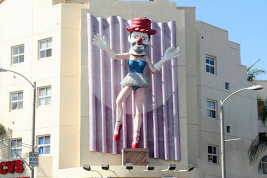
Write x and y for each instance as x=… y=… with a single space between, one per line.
x=138 y=42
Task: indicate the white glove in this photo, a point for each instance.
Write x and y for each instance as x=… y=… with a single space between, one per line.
x=169 y=54
x=102 y=43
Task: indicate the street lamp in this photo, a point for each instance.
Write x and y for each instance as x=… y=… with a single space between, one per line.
x=33 y=109
x=254 y=87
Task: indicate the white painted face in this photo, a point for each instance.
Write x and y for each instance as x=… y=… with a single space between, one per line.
x=138 y=42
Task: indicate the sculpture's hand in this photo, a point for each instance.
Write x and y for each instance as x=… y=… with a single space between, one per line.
x=101 y=42
x=171 y=53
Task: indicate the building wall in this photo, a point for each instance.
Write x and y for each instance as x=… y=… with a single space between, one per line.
x=214 y=41
x=262 y=94
x=66 y=119
x=26 y=22
x=262 y=128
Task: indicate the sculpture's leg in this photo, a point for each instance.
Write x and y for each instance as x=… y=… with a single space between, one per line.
x=124 y=93
x=139 y=100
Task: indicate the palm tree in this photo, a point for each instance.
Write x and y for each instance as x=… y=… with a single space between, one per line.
x=252 y=73
x=259 y=144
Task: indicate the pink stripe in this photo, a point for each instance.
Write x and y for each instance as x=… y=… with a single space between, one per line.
x=164 y=88
x=113 y=97
x=122 y=49
x=102 y=81
x=175 y=96
x=145 y=126
x=92 y=116
x=154 y=92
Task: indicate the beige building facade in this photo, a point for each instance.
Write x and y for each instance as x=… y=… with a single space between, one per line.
x=46 y=41
x=263 y=96
x=262 y=101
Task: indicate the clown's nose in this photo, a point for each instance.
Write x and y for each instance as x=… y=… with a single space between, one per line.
x=139 y=40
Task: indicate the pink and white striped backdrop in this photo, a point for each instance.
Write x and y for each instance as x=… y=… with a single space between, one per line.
x=160 y=128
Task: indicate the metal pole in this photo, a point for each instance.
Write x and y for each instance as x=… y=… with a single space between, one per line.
x=223 y=166
x=33 y=124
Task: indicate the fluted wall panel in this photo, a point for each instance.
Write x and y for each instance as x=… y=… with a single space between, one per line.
x=160 y=128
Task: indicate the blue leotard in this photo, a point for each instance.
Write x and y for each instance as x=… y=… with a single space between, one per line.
x=136 y=66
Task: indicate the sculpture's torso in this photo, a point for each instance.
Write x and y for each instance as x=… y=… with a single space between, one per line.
x=136 y=66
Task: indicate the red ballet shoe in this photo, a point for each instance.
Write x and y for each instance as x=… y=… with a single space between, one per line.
x=117 y=136
x=135 y=143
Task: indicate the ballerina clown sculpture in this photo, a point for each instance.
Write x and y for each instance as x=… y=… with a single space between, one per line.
x=135 y=81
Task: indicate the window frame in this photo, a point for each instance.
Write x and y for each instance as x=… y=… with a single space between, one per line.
x=17 y=55
x=212 y=154
x=210 y=65
x=44 y=145
x=49 y=86
x=228 y=129
x=226 y=85
x=211 y=109
x=45 y=49
x=17 y=101
x=16 y=148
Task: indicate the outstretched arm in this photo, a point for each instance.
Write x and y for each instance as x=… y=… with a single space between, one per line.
x=102 y=43
x=150 y=65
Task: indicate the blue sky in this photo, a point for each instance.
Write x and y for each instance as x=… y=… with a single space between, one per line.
x=245 y=21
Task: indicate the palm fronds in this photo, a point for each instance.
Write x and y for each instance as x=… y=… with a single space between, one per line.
x=250 y=67
x=252 y=73
x=257 y=146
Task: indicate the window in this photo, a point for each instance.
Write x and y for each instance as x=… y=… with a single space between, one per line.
x=16 y=100
x=210 y=64
x=228 y=129
x=44 y=96
x=212 y=154
x=45 y=48
x=17 y=54
x=16 y=147
x=211 y=109
x=262 y=169
x=44 y=145
x=227 y=86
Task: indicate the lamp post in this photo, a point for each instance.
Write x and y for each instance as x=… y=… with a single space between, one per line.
x=33 y=109
x=256 y=87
